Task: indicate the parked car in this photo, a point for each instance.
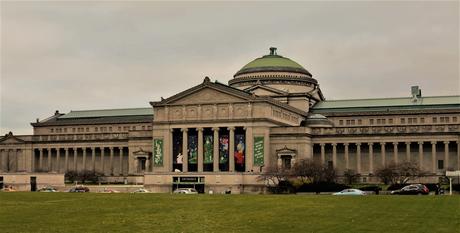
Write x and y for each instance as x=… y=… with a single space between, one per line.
x=141 y=190
x=186 y=191
x=350 y=192
x=79 y=189
x=413 y=189
x=48 y=189
x=108 y=190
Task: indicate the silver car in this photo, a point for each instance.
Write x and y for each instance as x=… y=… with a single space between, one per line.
x=350 y=192
x=186 y=191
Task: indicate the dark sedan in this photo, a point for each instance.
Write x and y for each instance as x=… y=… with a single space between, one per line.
x=413 y=189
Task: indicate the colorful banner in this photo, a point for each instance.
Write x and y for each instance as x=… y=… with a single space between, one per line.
x=258 y=151
x=239 y=149
x=158 y=152
x=223 y=149
x=208 y=149
x=192 y=149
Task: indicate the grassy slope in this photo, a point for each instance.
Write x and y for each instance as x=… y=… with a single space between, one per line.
x=77 y=212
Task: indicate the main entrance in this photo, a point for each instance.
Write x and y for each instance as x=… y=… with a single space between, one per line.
x=196 y=182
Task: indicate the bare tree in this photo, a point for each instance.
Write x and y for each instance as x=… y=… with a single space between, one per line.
x=399 y=173
x=351 y=176
x=310 y=171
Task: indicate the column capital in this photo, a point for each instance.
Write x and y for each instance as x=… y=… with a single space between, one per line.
x=171 y=130
x=322 y=144
x=215 y=128
x=200 y=129
x=395 y=143
x=346 y=144
x=232 y=128
x=358 y=143
x=120 y=148
x=446 y=142
x=184 y=129
x=408 y=143
x=382 y=143
x=111 y=148
x=433 y=142
x=370 y=143
x=334 y=144
x=420 y=143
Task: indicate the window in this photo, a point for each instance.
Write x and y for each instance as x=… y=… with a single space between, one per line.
x=119 y=128
x=435 y=120
x=65 y=130
x=96 y=129
x=360 y=122
x=390 y=121
x=340 y=122
x=52 y=130
x=352 y=122
x=403 y=121
x=379 y=121
x=371 y=121
x=110 y=129
x=73 y=130
x=440 y=164
x=143 y=127
x=87 y=129
x=134 y=127
x=384 y=121
x=422 y=120
x=454 y=119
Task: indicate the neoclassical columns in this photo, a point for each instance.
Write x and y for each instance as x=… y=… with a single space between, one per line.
x=334 y=155
x=111 y=161
x=93 y=159
x=358 y=158
x=215 y=150
x=66 y=159
x=120 y=161
x=200 y=149
x=231 y=154
x=395 y=152
x=185 y=149
x=458 y=155
x=347 y=165
x=84 y=158
x=49 y=168
x=58 y=160
x=433 y=156
x=446 y=155
x=382 y=152
x=75 y=153
x=420 y=155
x=323 y=153
x=408 y=151
x=102 y=160
x=371 y=157
x=40 y=159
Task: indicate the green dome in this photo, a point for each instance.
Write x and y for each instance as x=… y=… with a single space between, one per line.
x=272 y=63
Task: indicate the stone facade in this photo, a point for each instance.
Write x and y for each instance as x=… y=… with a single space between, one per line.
x=219 y=137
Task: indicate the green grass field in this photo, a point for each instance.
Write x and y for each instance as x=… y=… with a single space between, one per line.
x=92 y=212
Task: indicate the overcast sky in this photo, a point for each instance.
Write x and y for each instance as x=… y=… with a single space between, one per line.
x=82 y=55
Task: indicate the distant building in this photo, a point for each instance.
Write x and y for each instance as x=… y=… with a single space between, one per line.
x=218 y=137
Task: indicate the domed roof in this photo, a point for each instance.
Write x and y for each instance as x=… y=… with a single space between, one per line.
x=272 y=63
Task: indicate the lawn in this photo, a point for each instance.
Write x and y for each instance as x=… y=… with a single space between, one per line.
x=93 y=212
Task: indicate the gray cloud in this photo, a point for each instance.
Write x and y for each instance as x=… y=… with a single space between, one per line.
x=84 y=55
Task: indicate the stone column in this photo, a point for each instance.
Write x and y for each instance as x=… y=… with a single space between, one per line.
x=66 y=159
x=446 y=155
x=120 y=149
x=111 y=161
x=40 y=159
x=1 y=160
x=334 y=155
x=93 y=159
x=323 y=153
x=58 y=160
x=347 y=159
x=382 y=151
x=420 y=155
x=184 y=149
x=49 y=159
x=102 y=160
x=231 y=154
x=358 y=158
x=248 y=152
x=215 y=150
x=200 y=149
x=458 y=155
x=371 y=157
x=433 y=157
x=395 y=152
x=84 y=158
x=75 y=154
x=408 y=151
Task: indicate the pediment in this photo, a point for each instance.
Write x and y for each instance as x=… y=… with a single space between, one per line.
x=10 y=139
x=261 y=90
x=205 y=93
x=140 y=152
x=208 y=95
x=286 y=150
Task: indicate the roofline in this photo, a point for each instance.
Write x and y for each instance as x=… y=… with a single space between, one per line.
x=392 y=98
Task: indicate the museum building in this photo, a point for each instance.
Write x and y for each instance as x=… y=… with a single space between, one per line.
x=218 y=137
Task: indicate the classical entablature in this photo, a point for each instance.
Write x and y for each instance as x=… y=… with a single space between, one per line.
x=212 y=101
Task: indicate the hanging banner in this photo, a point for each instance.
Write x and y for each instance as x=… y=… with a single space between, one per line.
x=192 y=149
x=239 y=149
x=258 y=151
x=223 y=149
x=208 y=149
x=158 y=152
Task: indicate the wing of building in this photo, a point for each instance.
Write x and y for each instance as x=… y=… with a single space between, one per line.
x=220 y=137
